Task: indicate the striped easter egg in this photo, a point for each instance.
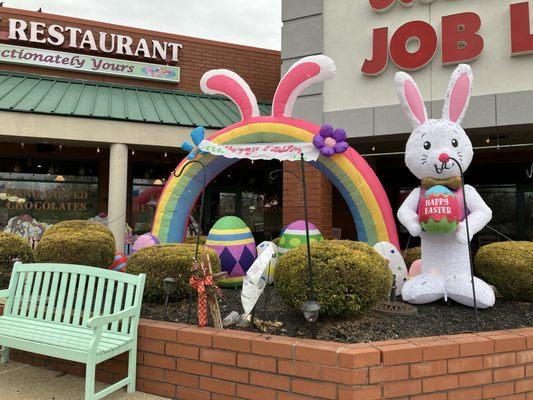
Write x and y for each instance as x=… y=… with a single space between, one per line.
x=119 y=262
x=235 y=245
x=294 y=236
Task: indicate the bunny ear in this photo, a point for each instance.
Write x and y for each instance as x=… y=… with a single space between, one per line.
x=231 y=85
x=299 y=77
x=458 y=94
x=410 y=99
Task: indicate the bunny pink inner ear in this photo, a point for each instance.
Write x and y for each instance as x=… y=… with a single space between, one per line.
x=414 y=100
x=459 y=97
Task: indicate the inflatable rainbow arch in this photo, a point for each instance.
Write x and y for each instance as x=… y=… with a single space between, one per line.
x=349 y=172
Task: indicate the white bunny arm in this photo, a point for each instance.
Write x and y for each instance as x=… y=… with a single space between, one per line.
x=407 y=214
x=479 y=216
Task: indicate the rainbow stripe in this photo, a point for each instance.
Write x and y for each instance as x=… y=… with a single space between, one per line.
x=348 y=171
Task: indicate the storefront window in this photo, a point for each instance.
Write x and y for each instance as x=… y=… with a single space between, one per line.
x=145 y=195
x=29 y=203
x=502 y=201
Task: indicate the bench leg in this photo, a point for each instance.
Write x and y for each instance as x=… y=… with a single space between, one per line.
x=4 y=355
x=89 y=381
x=132 y=370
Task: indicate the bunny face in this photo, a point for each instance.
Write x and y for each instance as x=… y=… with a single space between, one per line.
x=433 y=138
x=437 y=145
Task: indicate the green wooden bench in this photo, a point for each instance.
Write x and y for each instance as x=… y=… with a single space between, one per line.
x=76 y=313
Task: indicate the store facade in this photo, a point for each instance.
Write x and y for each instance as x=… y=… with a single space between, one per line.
x=92 y=116
x=372 y=39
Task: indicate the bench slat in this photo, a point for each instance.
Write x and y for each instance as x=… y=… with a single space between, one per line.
x=26 y=294
x=79 y=300
x=70 y=299
x=110 y=291
x=88 y=300
x=119 y=299
x=13 y=302
x=61 y=297
x=35 y=294
x=125 y=328
x=99 y=296
x=44 y=295
x=52 y=298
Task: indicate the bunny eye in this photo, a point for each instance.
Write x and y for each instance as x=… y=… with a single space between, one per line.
x=427 y=145
x=455 y=143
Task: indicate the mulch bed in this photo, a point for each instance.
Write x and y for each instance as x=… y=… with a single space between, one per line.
x=438 y=318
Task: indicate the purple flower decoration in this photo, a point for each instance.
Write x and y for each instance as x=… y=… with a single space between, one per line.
x=330 y=141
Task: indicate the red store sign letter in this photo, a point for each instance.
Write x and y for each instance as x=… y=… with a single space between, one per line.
x=460 y=39
x=427 y=45
x=521 y=37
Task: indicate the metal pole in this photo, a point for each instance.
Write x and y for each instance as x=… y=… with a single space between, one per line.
x=309 y=265
x=189 y=300
x=468 y=241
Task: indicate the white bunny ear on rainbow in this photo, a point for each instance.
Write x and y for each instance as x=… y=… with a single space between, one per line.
x=410 y=99
x=458 y=94
x=231 y=85
x=300 y=76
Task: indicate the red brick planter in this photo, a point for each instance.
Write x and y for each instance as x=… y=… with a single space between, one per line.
x=190 y=363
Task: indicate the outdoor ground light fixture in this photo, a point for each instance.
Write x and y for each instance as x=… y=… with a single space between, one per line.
x=311 y=309
x=169 y=286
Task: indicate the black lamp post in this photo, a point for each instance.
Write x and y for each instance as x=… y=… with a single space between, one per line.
x=169 y=286
x=310 y=308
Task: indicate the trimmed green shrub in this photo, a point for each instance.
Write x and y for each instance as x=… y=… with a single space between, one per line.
x=77 y=242
x=12 y=248
x=167 y=260
x=509 y=267
x=411 y=255
x=349 y=277
x=192 y=239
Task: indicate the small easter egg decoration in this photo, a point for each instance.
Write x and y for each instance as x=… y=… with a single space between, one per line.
x=269 y=271
x=145 y=240
x=396 y=262
x=294 y=236
x=119 y=262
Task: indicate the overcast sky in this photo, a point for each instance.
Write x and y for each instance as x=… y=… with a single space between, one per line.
x=249 y=22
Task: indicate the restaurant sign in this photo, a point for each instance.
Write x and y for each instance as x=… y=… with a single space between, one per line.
x=87 y=63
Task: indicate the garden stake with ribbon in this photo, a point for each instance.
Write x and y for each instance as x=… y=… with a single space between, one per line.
x=203 y=282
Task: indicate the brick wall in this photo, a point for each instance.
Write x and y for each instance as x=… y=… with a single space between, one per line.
x=190 y=363
x=319 y=195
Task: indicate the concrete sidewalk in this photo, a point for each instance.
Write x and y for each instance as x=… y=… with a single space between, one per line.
x=25 y=382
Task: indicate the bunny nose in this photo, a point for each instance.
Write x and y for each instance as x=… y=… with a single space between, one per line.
x=444 y=158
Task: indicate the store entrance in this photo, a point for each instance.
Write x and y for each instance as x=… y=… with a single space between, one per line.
x=247 y=191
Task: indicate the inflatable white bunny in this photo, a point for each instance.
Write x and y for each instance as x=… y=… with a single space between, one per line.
x=432 y=151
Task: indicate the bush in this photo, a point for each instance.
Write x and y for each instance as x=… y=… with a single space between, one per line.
x=12 y=248
x=167 y=260
x=349 y=277
x=411 y=255
x=192 y=239
x=77 y=242
x=509 y=267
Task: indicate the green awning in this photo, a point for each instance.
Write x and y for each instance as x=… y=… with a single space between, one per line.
x=89 y=99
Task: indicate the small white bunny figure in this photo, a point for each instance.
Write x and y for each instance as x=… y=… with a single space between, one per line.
x=445 y=258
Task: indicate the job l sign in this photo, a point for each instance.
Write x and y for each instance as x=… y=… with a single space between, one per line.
x=414 y=44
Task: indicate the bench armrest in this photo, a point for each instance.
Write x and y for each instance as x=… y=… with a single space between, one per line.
x=96 y=322
x=4 y=293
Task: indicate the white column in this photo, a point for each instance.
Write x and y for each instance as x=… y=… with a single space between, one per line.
x=118 y=187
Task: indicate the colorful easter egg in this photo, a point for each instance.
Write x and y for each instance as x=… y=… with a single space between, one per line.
x=235 y=245
x=294 y=236
x=269 y=271
x=145 y=240
x=396 y=262
x=119 y=262
x=439 y=210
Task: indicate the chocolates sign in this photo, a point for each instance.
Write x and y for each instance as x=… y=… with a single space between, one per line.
x=414 y=44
